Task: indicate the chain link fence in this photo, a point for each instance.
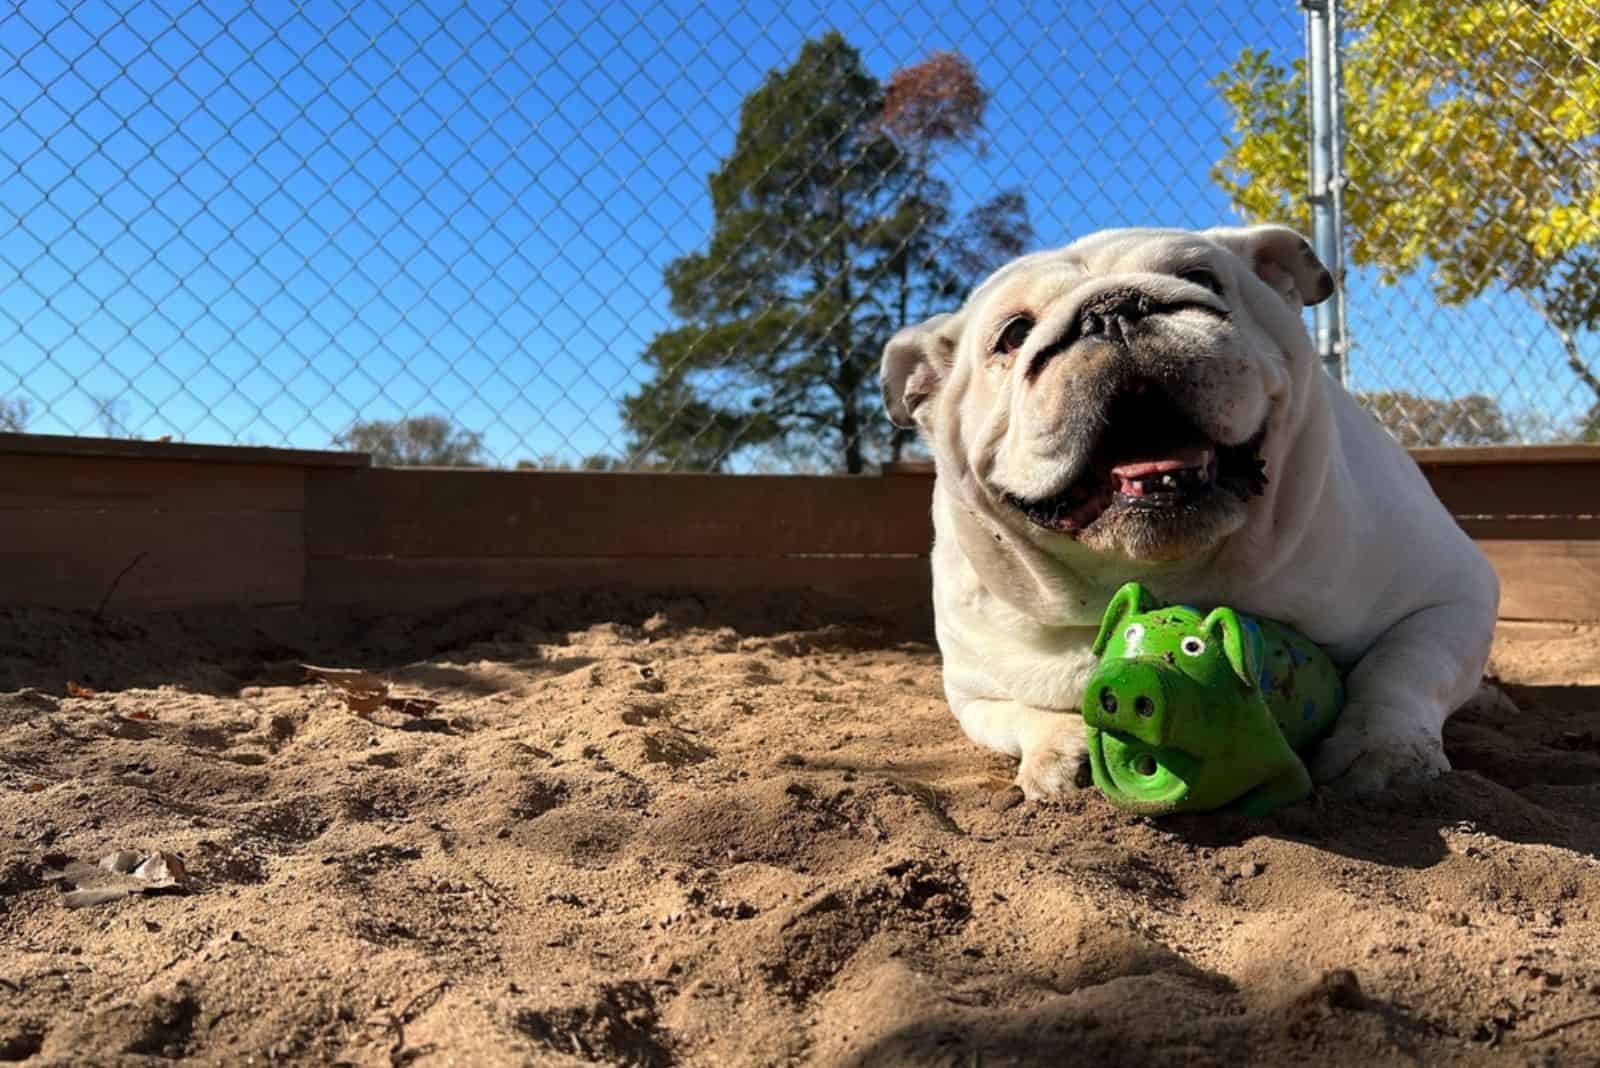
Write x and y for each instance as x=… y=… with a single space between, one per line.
x=677 y=235
x=1470 y=189
x=1474 y=164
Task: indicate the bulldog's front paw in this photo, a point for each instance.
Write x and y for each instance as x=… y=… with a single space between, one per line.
x=1368 y=753
x=1056 y=762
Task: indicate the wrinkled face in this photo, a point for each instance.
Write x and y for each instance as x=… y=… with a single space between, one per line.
x=1119 y=393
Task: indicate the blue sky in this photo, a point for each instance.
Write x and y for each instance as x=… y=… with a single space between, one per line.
x=257 y=231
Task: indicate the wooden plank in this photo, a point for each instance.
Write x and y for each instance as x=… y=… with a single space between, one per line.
x=1547 y=580
x=1507 y=489
x=1556 y=481
x=70 y=558
x=460 y=514
x=1480 y=455
x=94 y=482
x=1476 y=456
x=889 y=584
x=908 y=469
x=1527 y=528
x=1540 y=580
x=68 y=445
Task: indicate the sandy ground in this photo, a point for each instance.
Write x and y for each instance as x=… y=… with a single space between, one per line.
x=683 y=833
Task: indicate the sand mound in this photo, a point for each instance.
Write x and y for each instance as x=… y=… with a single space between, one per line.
x=673 y=832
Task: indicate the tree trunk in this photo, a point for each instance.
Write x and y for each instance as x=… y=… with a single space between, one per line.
x=849 y=416
x=1575 y=360
x=850 y=427
x=898 y=440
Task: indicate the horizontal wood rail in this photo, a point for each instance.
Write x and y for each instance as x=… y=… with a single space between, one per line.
x=146 y=525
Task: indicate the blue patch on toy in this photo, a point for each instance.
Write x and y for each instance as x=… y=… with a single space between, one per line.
x=1308 y=710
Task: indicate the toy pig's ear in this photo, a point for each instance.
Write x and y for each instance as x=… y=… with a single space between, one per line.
x=1130 y=600
x=1223 y=626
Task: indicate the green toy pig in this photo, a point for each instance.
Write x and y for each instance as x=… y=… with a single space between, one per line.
x=1188 y=712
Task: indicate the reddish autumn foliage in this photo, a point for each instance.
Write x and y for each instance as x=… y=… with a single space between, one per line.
x=938 y=99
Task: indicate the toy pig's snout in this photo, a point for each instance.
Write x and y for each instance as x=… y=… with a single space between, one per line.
x=1126 y=695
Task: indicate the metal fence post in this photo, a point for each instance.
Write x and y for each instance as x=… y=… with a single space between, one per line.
x=1324 y=101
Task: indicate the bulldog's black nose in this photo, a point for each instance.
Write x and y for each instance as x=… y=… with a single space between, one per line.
x=1112 y=315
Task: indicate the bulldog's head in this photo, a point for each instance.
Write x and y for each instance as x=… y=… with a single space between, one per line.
x=1119 y=393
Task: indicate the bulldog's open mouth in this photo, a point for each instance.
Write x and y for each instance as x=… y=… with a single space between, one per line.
x=1150 y=457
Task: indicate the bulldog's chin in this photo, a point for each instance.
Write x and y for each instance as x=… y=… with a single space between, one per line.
x=1155 y=488
x=1166 y=534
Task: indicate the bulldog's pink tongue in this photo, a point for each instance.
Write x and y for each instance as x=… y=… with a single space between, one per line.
x=1138 y=477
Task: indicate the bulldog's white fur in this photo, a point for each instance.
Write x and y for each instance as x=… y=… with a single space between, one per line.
x=1348 y=542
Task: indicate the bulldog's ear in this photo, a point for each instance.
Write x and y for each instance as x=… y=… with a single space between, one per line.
x=1282 y=259
x=916 y=362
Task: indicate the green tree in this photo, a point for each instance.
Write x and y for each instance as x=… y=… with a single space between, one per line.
x=416 y=441
x=1417 y=421
x=1472 y=145
x=14 y=414
x=551 y=461
x=830 y=231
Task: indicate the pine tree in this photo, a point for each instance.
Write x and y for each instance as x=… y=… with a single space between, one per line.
x=830 y=232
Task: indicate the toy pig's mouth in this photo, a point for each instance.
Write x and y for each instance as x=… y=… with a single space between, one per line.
x=1139 y=777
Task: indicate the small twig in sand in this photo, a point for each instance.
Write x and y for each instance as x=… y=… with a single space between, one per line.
x=1562 y=1026
x=117 y=582
x=398 y=1053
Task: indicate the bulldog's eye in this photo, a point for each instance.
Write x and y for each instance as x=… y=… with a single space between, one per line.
x=1013 y=335
x=1192 y=646
x=1202 y=276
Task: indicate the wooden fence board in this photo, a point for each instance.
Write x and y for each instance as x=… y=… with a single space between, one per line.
x=1486 y=455
x=1547 y=579
x=1549 y=480
x=121 y=448
x=219 y=525
x=1471 y=456
x=1545 y=528
x=1510 y=489
x=445 y=513
x=893 y=584
x=76 y=482
x=70 y=558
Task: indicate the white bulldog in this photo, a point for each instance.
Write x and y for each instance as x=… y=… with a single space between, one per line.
x=1147 y=405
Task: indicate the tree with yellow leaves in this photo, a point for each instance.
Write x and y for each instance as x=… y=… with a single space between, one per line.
x=1472 y=134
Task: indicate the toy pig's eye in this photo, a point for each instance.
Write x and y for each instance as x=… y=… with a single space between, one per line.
x=1133 y=633
x=1192 y=646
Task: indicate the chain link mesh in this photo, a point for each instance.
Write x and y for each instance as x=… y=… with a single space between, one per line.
x=1473 y=159
x=678 y=235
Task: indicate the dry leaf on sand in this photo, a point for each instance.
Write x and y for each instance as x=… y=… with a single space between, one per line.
x=362 y=691
x=116 y=876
